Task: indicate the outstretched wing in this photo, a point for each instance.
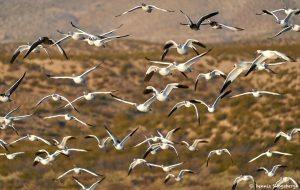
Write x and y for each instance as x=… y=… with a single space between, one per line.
x=130 y=10
x=14 y=86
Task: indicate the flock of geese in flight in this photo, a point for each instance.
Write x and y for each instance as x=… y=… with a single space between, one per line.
x=159 y=142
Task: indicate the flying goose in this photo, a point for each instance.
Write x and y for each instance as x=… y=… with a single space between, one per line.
x=268 y=54
x=272 y=172
x=163 y=71
x=95 y=36
x=101 y=144
x=208 y=76
x=46 y=41
x=288 y=136
x=187 y=104
x=282 y=180
x=68 y=117
x=235 y=72
x=283 y=22
x=293 y=27
x=196 y=26
x=119 y=145
x=55 y=97
x=166 y=169
x=31 y=138
x=12 y=155
x=77 y=171
x=162 y=146
x=182 y=49
x=193 y=147
x=143 y=107
x=243 y=178
x=67 y=151
x=48 y=159
x=155 y=139
x=63 y=144
x=77 y=79
x=163 y=95
x=8 y=119
x=135 y=163
x=218 y=25
x=256 y=94
x=269 y=154
x=286 y=10
x=5 y=97
x=104 y=41
x=88 y=96
x=154 y=151
x=23 y=48
x=4 y=144
x=92 y=187
x=144 y=7
x=169 y=134
x=218 y=152
x=212 y=108
x=266 y=66
x=179 y=177
x=186 y=66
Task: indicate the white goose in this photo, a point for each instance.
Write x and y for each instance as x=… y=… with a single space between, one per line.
x=266 y=66
x=144 y=7
x=119 y=145
x=218 y=25
x=243 y=178
x=78 y=79
x=288 y=136
x=67 y=150
x=48 y=159
x=55 y=98
x=286 y=10
x=193 y=147
x=269 y=154
x=187 y=104
x=179 y=177
x=182 y=49
x=77 y=171
x=5 y=97
x=268 y=54
x=31 y=138
x=143 y=107
x=104 y=41
x=212 y=108
x=293 y=27
x=282 y=180
x=88 y=96
x=165 y=168
x=92 y=187
x=12 y=155
x=63 y=144
x=208 y=76
x=162 y=146
x=163 y=71
x=256 y=93
x=218 y=152
x=272 y=172
x=283 y=22
x=8 y=119
x=169 y=134
x=68 y=117
x=101 y=144
x=135 y=163
x=23 y=48
x=235 y=72
x=164 y=94
x=155 y=139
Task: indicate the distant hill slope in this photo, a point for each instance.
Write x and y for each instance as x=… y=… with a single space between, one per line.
x=27 y=20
